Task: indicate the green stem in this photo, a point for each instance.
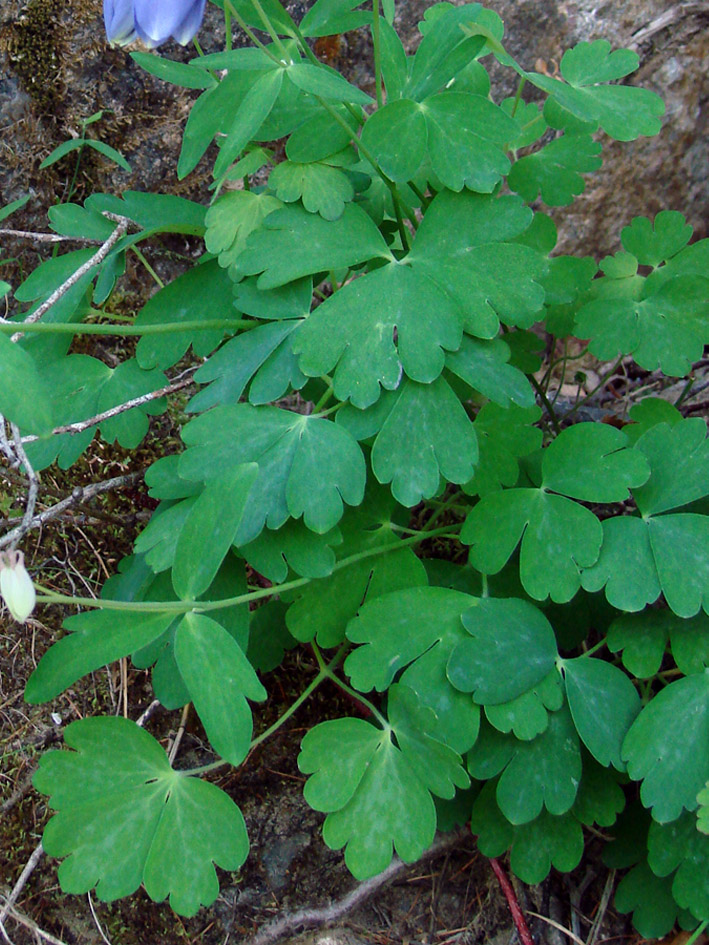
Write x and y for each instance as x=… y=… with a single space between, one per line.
x=80 y=328
x=377 y=53
x=227 y=29
x=444 y=507
x=249 y=32
x=268 y=26
x=518 y=96
x=149 y=268
x=197 y=606
x=425 y=201
x=595 y=648
x=325 y=397
x=545 y=400
x=328 y=672
x=602 y=383
x=697 y=932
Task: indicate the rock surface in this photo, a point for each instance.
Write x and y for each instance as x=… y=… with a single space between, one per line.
x=56 y=69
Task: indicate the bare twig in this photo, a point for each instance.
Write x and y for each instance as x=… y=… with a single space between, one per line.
x=557 y=925
x=79 y=494
x=518 y=918
x=22 y=881
x=602 y=908
x=17 y=794
x=97 y=258
x=46 y=237
x=33 y=488
x=80 y=425
x=148 y=712
x=34 y=928
x=315 y=918
x=180 y=732
x=676 y=13
x=96 y=921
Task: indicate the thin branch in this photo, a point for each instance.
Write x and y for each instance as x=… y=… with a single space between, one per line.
x=315 y=918
x=47 y=237
x=97 y=258
x=78 y=495
x=520 y=922
x=33 y=927
x=22 y=881
x=82 y=425
x=33 y=489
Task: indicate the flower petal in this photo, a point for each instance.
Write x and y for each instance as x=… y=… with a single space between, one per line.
x=118 y=18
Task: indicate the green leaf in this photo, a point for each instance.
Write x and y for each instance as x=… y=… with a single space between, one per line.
x=504 y=435
x=559 y=538
x=649 y=898
x=556 y=170
x=643 y=639
x=253 y=110
x=703 y=810
x=70 y=219
x=482 y=365
x=269 y=637
x=667 y=747
x=159 y=213
x=416 y=630
x=589 y=461
x=77 y=144
x=600 y=798
x=230 y=220
x=277 y=15
x=680 y=846
x=394 y=61
x=353 y=332
x=538 y=845
x=159 y=538
x=98 y=637
x=210 y=528
x=323 y=608
x=294 y=243
x=176 y=73
x=324 y=189
x=326 y=84
x=125 y=817
x=203 y=292
x=511 y=648
x=307 y=466
x=125 y=383
x=374 y=799
x=648 y=413
x=10 y=208
x=25 y=399
x=603 y=704
x=444 y=50
x=201 y=644
x=544 y=772
x=654 y=242
x=321 y=135
x=426 y=435
x=623 y=112
x=660 y=552
x=292 y=546
x=528 y=715
x=328 y=17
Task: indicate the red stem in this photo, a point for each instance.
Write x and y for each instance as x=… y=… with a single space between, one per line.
x=517 y=914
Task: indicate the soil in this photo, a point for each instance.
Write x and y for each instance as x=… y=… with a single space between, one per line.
x=452 y=898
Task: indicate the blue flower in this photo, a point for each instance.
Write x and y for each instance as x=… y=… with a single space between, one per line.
x=152 y=21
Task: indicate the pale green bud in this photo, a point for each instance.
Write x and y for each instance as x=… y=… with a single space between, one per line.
x=16 y=587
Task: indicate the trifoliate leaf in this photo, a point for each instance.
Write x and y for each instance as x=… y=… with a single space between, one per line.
x=295 y=546
x=327 y=17
x=559 y=537
x=504 y=435
x=374 y=799
x=436 y=765
x=650 y=412
x=482 y=365
x=680 y=846
x=289 y=449
x=603 y=704
x=248 y=117
x=258 y=353
x=556 y=170
x=623 y=112
x=426 y=435
x=98 y=637
x=649 y=898
x=294 y=243
x=416 y=630
x=653 y=243
x=202 y=293
x=544 y=772
x=126 y=818
x=528 y=715
x=209 y=529
x=589 y=461
x=323 y=608
x=511 y=648
x=528 y=115
x=538 y=845
x=201 y=644
x=661 y=552
x=230 y=220
x=324 y=189
x=667 y=747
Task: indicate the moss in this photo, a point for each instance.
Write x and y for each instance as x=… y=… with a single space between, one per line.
x=33 y=44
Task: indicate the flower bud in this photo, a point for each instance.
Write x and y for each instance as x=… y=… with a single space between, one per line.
x=16 y=587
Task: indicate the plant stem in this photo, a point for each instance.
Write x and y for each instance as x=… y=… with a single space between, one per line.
x=697 y=932
x=602 y=383
x=197 y=606
x=269 y=29
x=545 y=400
x=377 y=53
x=328 y=672
x=250 y=33
x=518 y=96
x=79 y=328
x=146 y=264
x=227 y=28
